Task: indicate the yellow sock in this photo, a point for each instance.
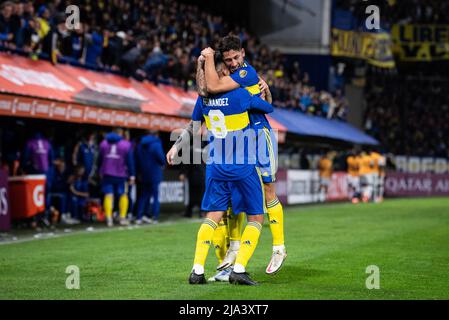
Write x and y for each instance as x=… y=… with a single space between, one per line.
x=108 y=205
x=203 y=241
x=235 y=224
x=123 y=205
x=276 y=217
x=220 y=240
x=250 y=238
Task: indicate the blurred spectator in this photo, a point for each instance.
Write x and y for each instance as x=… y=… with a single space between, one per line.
x=150 y=160
x=7 y=24
x=116 y=163
x=84 y=154
x=406 y=121
x=154 y=40
x=37 y=156
x=57 y=198
x=79 y=194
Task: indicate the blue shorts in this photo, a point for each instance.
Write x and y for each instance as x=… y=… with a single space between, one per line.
x=114 y=185
x=267 y=154
x=244 y=195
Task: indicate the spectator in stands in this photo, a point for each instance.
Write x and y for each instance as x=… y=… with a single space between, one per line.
x=150 y=159
x=6 y=24
x=404 y=119
x=130 y=60
x=94 y=44
x=113 y=49
x=158 y=41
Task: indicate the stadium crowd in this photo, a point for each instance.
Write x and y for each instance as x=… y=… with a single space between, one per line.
x=397 y=107
x=399 y=11
x=154 y=40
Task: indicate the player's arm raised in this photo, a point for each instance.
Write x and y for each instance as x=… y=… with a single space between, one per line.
x=200 y=77
x=214 y=83
x=193 y=127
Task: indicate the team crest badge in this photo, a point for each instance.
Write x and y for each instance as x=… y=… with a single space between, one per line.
x=243 y=73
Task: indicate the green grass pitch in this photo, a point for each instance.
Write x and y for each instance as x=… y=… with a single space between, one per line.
x=329 y=248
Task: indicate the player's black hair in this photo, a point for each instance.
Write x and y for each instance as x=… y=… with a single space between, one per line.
x=218 y=58
x=230 y=42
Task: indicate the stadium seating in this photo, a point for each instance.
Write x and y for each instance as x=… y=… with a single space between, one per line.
x=154 y=40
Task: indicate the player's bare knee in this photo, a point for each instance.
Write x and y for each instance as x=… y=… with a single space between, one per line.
x=215 y=216
x=256 y=218
x=270 y=192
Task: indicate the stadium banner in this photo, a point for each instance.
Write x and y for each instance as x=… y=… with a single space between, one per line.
x=172 y=192
x=338 y=187
x=375 y=48
x=41 y=79
x=18 y=106
x=421 y=164
x=417 y=42
x=62 y=92
x=399 y=184
x=302 y=186
x=281 y=185
x=5 y=215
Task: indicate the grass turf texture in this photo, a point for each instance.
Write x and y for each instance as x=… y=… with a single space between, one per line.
x=329 y=248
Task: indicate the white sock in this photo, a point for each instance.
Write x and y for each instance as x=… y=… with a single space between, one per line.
x=281 y=248
x=234 y=245
x=238 y=268
x=198 y=269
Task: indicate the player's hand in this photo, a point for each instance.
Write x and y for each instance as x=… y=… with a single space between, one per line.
x=201 y=60
x=263 y=85
x=171 y=155
x=208 y=52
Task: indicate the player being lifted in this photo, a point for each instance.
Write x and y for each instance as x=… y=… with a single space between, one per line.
x=245 y=76
x=231 y=174
x=228 y=232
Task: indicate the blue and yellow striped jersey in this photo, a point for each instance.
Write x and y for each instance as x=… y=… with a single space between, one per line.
x=226 y=116
x=246 y=77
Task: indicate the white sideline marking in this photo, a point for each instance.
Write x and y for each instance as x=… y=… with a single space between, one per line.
x=67 y=232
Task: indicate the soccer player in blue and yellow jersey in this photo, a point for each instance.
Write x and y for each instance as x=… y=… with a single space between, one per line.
x=243 y=75
x=230 y=170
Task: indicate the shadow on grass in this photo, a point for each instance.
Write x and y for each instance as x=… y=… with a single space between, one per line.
x=290 y=274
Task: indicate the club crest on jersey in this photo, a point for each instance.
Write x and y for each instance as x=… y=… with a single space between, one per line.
x=247 y=242
x=243 y=73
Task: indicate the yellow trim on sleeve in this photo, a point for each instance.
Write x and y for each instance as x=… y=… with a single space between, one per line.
x=253 y=89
